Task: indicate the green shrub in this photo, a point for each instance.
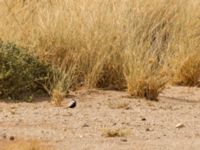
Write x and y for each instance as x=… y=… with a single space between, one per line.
x=21 y=74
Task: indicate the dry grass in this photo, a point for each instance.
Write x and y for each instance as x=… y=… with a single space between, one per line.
x=25 y=145
x=57 y=97
x=150 y=87
x=115 y=132
x=133 y=44
x=189 y=72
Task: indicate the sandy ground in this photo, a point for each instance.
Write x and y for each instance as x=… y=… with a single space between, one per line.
x=147 y=125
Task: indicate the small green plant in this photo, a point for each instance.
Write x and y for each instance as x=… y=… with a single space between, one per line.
x=21 y=74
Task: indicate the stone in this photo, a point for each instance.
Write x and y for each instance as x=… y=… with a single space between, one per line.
x=148 y=129
x=180 y=125
x=143 y=119
x=124 y=139
x=85 y=125
x=12 y=138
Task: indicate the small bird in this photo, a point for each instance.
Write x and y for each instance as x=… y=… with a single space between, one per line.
x=72 y=104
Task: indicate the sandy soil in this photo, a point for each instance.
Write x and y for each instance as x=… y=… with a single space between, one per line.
x=149 y=125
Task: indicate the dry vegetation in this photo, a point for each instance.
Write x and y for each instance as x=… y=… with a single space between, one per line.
x=137 y=45
x=115 y=132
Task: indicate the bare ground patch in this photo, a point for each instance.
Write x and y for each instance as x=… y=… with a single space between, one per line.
x=149 y=125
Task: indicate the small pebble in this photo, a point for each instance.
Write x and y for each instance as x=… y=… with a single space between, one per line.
x=114 y=124
x=124 y=139
x=147 y=129
x=85 y=125
x=143 y=119
x=12 y=138
x=180 y=125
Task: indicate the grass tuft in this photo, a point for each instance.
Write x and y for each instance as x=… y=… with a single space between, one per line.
x=189 y=72
x=148 y=88
x=115 y=133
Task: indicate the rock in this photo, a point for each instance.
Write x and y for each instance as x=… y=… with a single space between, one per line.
x=148 y=129
x=143 y=119
x=124 y=139
x=180 y=125
x=85 y=125
x=72 y=104
x=114 y=124
x=12 y=138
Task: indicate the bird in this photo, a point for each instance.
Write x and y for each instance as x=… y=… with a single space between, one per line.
x=72 y=104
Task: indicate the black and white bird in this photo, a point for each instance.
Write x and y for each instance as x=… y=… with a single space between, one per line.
x=72 y=104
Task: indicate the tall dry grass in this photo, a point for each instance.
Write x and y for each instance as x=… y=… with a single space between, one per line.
x=135 y=44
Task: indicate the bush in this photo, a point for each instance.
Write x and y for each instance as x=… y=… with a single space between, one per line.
x=21 y=74
x=112 y=44
x=189 y=72
x=148 y=88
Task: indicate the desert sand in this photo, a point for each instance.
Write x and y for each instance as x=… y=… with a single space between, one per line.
x=172 y=123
